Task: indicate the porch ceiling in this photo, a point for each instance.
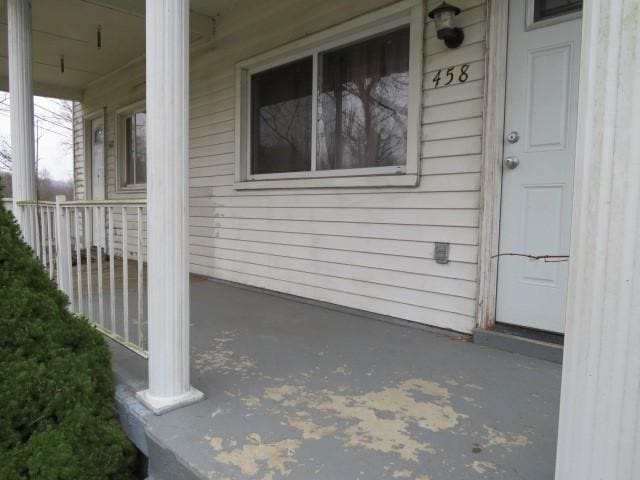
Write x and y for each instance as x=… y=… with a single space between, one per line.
x=69 y=28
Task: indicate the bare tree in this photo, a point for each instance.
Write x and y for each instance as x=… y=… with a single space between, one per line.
x=5 y=155
x=52 y=116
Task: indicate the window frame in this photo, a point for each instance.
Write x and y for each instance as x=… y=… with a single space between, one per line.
x=121 y=145
x=407 y=12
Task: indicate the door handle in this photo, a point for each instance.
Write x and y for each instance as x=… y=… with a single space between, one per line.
x=511 y=162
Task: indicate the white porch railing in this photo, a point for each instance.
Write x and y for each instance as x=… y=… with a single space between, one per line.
x=96 y=251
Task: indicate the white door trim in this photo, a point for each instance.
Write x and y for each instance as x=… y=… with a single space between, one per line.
x=492 y=152
x=88 y=151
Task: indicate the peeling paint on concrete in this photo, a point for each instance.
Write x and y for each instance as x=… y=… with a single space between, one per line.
x=377 y=420
x=494 y=437
x=380 y=421
x=309 y=429
x=251 y=401
x=474 y=386
x=258 y=456
x=482 y=466
x=216 y=443
x=278 y=394
x=402 y=474
x=222 y=360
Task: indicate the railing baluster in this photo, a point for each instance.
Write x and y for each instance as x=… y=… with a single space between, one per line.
x=99 y=261
x=112 y=280
x=125 y=272
x=140 y=284
x=76 y=220
x=68 y=256
x=63 y=263
x=51 y=239
x=87 y=245
x=43 y=237
x=33 y=216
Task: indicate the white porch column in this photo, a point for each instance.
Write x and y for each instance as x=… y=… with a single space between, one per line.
x=167 y=200
x=23 y=180
x=600 y=404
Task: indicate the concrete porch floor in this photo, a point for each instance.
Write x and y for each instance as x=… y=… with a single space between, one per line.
x=296 y=391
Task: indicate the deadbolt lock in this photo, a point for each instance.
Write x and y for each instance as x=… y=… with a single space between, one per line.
x=513 y=137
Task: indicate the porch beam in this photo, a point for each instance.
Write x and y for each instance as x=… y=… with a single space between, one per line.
x=198 y=23
x=167 y=25
x=599 y=433
x=23 y=175
x=48 y=90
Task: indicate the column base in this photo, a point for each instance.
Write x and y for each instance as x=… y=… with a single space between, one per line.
x=160 y=405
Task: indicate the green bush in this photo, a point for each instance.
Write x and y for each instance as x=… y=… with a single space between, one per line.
x=57 y=415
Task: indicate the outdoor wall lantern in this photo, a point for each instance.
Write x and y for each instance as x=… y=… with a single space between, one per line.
x=444 y=16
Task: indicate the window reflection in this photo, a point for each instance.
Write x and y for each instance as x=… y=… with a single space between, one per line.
x=136 y=148
x=362 y=103
x=281 y=118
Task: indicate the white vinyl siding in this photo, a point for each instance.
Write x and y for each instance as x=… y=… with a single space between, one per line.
x=369 y=248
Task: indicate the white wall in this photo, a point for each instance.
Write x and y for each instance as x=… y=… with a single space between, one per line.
x=367 y=248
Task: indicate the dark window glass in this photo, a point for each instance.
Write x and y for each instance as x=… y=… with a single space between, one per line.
x=362 y=103
x=544 y=9
x=141 y=147
x=136 y=148
x=281 y=118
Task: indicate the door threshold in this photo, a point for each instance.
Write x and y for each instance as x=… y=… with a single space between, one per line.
x=525 y=341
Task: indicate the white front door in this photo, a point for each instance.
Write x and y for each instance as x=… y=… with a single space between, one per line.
x=539 y=149
x=97 y=170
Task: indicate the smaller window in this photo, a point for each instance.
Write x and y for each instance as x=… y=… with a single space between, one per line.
x=133 y=150
x=281 y=118
x=98 y=136
x=544 y=9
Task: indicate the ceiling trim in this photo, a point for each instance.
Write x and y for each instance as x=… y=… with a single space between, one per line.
x=200 y=24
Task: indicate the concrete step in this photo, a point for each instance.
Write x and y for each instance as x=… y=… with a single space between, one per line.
x=523 y=341
x=163 y=464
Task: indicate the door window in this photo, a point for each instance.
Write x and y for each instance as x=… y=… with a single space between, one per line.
x=545 y=9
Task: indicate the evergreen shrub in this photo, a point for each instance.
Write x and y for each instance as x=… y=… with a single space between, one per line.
x=57 y=413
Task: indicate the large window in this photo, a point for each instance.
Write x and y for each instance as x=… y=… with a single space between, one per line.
x=132 y=138
x=342 y=107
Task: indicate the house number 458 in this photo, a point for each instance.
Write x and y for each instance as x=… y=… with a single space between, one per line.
x=447 y=76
